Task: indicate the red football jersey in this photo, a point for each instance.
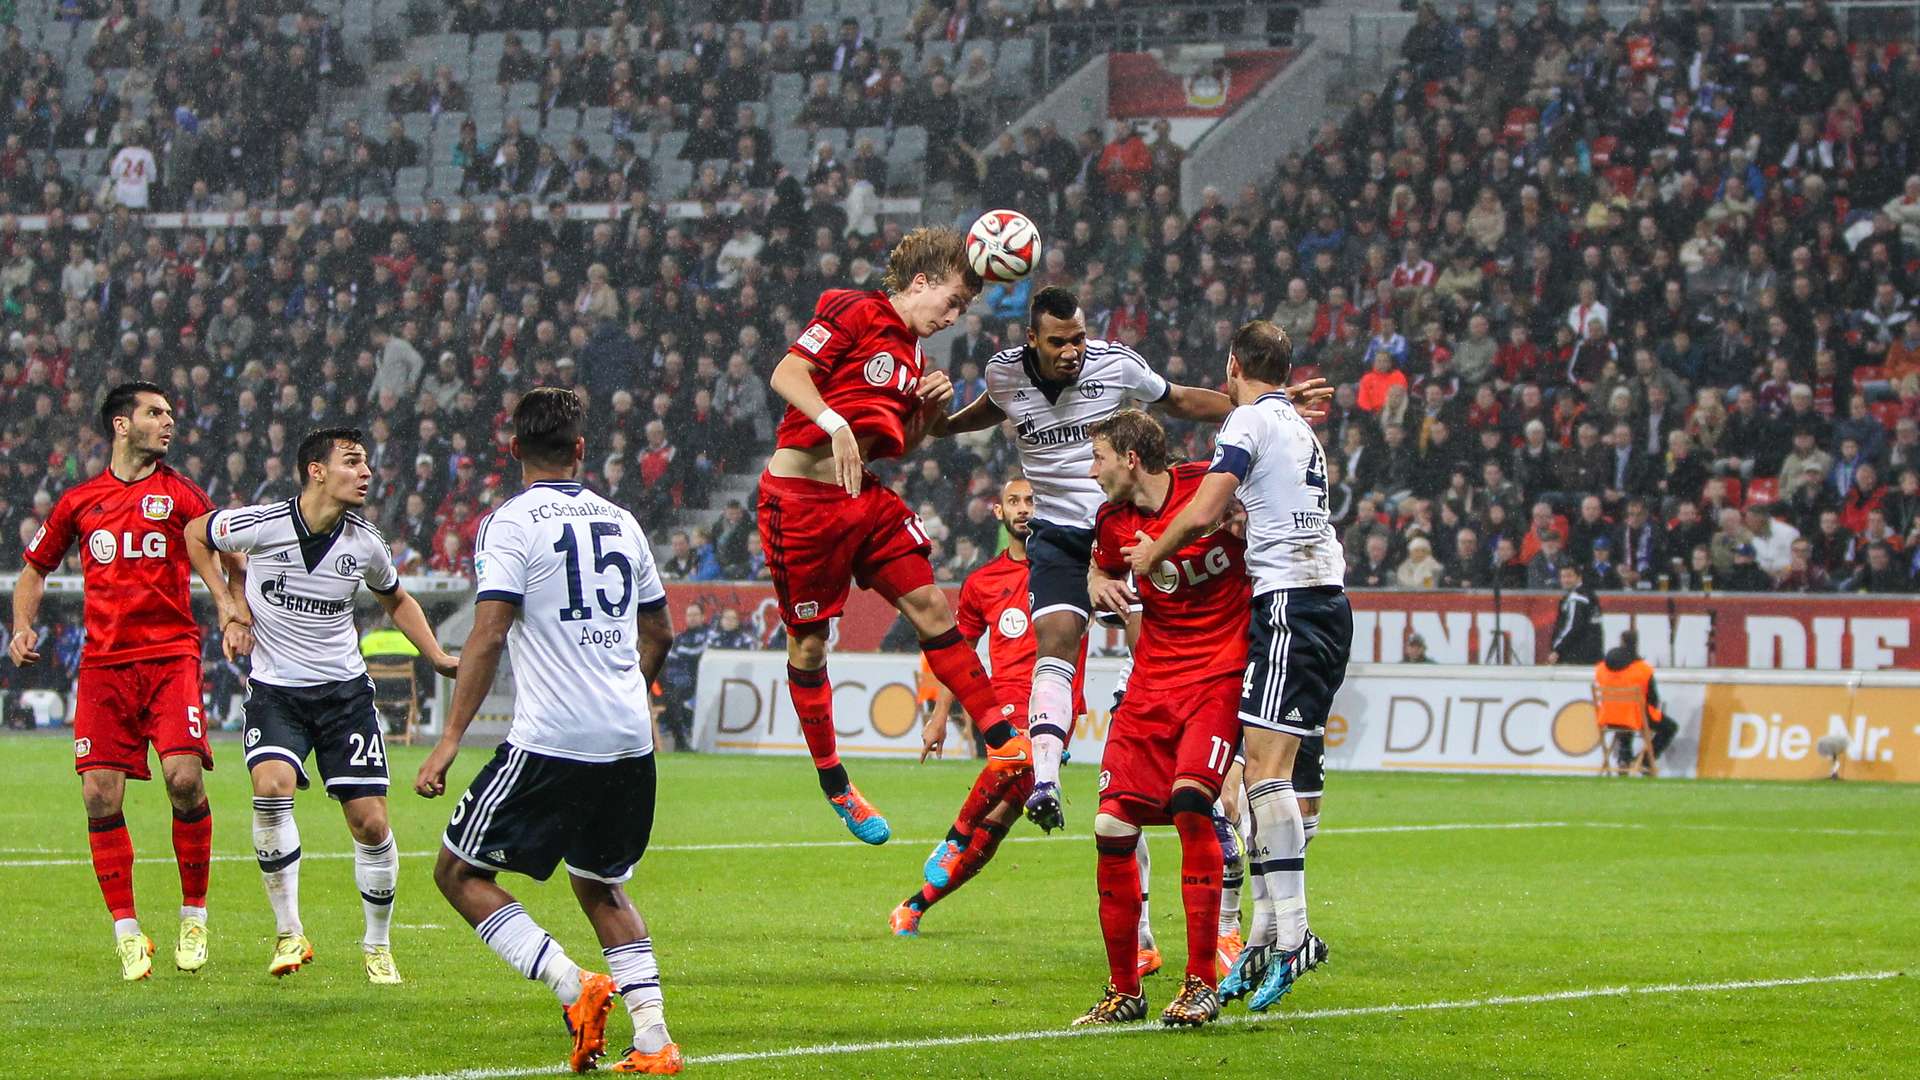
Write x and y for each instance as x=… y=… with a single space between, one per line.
x=1193 y=622
x=866 y=363
x=995 y=598
x=133 y=560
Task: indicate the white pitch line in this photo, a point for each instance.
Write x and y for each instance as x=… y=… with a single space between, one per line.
x=832 y=1049
x=1351 y=830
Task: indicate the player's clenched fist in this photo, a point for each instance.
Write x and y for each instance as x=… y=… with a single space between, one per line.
x=21 y=648
x=431 y=780
x=936 y=390
x=1112 y=594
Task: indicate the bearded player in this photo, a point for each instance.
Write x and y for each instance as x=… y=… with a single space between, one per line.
x=993 y=602
x=140 y=670
x=1173 y=737
x=857 y=389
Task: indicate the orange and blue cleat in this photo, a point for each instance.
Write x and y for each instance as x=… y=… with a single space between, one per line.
x=666 y=1061
x=861 y=819
x=940 y=865
x=905 y=921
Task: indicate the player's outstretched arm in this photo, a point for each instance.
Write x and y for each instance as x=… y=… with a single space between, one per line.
x=27 y=591
x=411 y=621
x=1310 y=398
x=979 y=414
x=1196 y=403
x=479 y=662
x=793 y=381
x=933 y=730
x=1205 y=510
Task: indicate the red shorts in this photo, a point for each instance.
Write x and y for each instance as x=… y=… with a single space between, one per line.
x=818 y=542
x=1161 y=736
x=120 y=710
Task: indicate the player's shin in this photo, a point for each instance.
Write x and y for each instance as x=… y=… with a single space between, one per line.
x=1119 y=881
x=1278 y=855
x=513 y=935
x=376 y=870
x=958 y=668
x=812 y=694
x=1050 y=715
x=112 y=851
x=276 y=845
x=1143 y=859
x=636 y=974
x=1200 y=866
x=193 y=851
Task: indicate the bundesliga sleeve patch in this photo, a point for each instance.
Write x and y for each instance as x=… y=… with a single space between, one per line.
x=815 y=338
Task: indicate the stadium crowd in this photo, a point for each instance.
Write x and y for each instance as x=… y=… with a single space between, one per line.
x=1638 y=299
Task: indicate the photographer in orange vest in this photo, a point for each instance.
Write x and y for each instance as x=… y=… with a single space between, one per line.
x=1625 y=697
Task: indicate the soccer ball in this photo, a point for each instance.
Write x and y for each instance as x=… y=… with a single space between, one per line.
x=1003 y=246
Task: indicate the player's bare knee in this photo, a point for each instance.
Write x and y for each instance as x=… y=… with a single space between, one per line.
x=927 y=609
x=101 y=791
x=1057 y=634
x=185 y=788
x=1270 y=754
x=367 y=819
x=452 y=874
x=807 y=649
x=1111 y=826
x=274 y=779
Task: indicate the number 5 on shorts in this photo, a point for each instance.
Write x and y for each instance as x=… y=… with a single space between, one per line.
x=195 y=727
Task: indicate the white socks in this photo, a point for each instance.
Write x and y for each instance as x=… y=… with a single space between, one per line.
x=516 y=938
x=1145 y=861
x=375 y=870
x=123 y=927
x=637 y=976
x=1278 y=855
x=1050 y=716
x=1262 y=932
x=276 y=844
x=1309 y=824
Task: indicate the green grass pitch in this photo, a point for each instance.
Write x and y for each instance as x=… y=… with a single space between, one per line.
x=772 y=935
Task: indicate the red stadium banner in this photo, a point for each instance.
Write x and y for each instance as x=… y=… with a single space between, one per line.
x=1139 y=85
x=1791 y=633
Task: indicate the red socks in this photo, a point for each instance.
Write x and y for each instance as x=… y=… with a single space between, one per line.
x=1119 y=878
x=1200 y=865
x=958 y=668
x=193 y=850
x=812 y=695
x=980 y=848
x=989 y=789
x=113 y=862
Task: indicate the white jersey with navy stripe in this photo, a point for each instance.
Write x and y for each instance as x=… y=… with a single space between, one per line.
x=1050 y=421
x=1282 y=471
x=300 y=587
x=580 y=569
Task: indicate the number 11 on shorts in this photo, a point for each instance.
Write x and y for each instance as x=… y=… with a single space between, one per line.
x=1220 y=754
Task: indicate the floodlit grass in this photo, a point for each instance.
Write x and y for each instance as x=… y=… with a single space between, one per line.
x=767 y=945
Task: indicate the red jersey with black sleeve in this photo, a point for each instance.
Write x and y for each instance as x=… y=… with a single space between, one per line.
x=133 y=560
x=994 y=601
x=866 y=364
x=1193 y=622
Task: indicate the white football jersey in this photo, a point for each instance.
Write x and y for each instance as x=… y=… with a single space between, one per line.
x=579 y=568
x=1283 y=485
x=1051 y=420
x=300 y=587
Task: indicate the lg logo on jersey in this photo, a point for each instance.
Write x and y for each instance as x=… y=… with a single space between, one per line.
x=883 y=371
x=1013 y=622
x=105 y=547
x=1167 y=576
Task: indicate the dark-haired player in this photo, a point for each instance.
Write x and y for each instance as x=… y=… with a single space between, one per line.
x=1054 y=388
x=1299 y=635
x=1172 y=739
x=994 y=604
x=309 y=691
x=857 y=389
x=567 y=579
x=140 y=669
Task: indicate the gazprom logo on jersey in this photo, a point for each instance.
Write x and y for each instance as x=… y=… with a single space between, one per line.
x=106 y=547
x=274 y=591
x=1065 y=433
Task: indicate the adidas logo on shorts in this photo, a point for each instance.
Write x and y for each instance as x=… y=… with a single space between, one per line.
x=496 y=855
x=1293 y=717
